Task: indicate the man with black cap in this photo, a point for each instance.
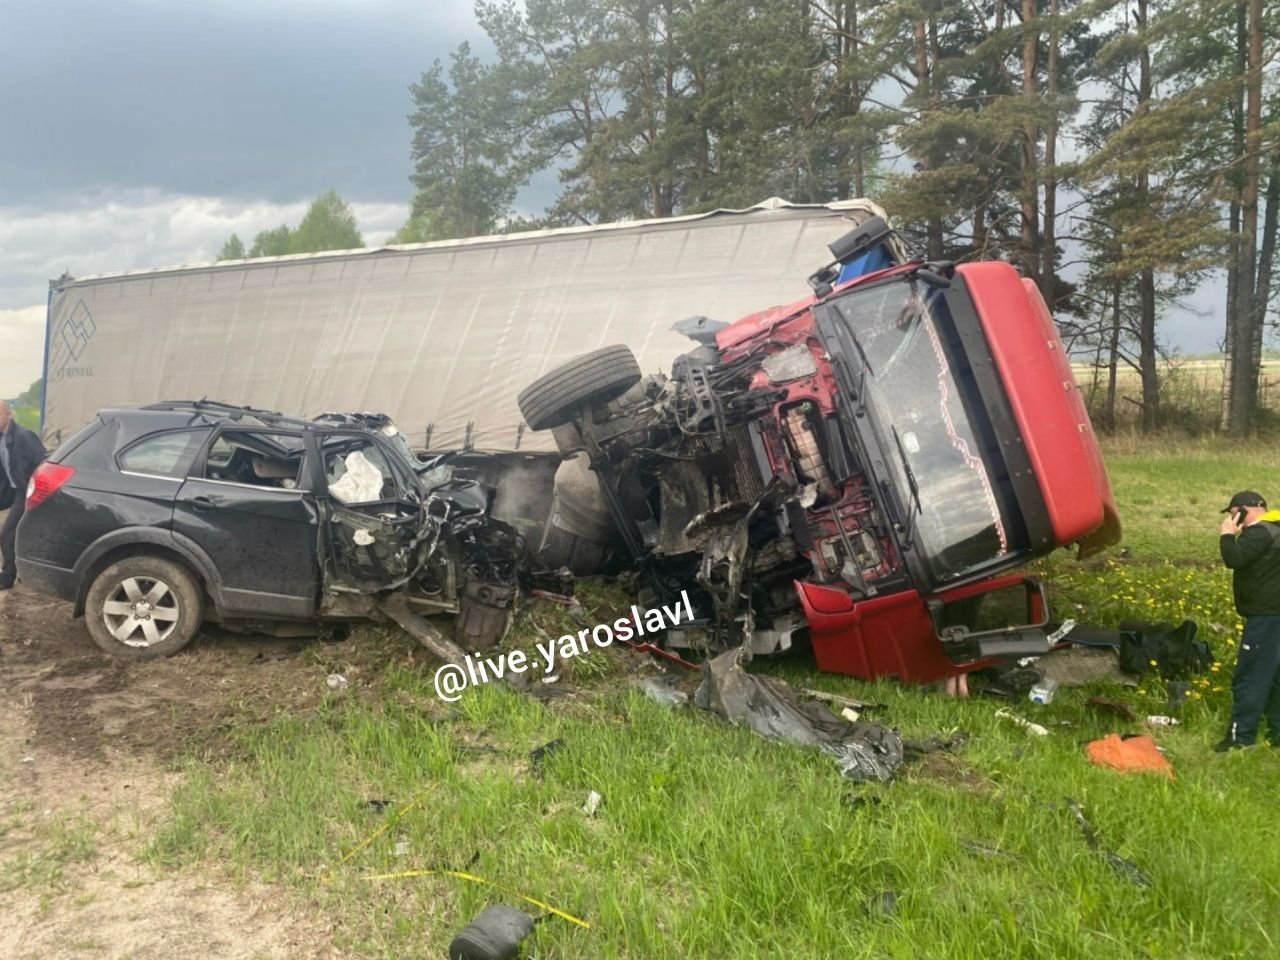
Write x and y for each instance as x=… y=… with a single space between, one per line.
x=1250 y=545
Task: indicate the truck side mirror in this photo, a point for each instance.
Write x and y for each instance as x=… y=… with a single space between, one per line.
x=866 y=235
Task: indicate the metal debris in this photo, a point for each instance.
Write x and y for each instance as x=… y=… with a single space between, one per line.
x=863 y=750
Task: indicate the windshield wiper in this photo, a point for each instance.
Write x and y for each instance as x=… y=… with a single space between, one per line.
x=914 y=506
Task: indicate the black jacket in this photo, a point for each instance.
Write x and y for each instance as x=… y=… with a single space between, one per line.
x=1254 y=558
x=25 y=454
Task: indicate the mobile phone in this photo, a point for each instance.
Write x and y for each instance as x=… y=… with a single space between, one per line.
x=1240 y=513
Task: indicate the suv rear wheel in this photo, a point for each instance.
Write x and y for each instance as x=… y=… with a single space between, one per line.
x=143 y=607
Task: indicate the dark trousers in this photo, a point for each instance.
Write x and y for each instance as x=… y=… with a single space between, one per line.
x=8 y=531
x=1255 y=686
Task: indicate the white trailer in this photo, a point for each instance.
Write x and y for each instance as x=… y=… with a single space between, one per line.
x=441 y=336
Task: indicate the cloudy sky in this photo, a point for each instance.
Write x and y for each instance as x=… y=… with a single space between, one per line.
x=142 y=133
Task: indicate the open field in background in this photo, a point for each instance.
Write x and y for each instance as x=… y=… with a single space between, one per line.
x=1190 y=393
x=710 y=842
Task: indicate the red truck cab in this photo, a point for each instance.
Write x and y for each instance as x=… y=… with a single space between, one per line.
x=954 y=398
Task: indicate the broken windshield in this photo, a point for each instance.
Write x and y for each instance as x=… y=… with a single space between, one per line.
x=941 y=467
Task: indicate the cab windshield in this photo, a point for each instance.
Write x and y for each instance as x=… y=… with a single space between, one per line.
x=931 y=430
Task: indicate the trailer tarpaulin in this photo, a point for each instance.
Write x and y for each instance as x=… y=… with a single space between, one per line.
x=442 y=336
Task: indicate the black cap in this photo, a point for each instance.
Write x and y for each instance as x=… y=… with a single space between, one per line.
x=1246 y=498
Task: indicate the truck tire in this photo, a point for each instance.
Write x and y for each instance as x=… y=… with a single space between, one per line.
x=601 y=375
x=143 y=607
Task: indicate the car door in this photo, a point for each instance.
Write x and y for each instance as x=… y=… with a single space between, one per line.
x=374 y=525
x=248 y=504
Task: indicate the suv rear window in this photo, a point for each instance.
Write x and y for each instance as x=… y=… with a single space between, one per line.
x=164 y=454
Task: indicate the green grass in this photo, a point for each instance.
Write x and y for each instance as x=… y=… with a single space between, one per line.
x=27 y=416
x=712 y=843
x=42 y=861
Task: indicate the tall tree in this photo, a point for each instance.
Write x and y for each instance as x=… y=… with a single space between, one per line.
x=271 y=243
x=467 y=155
x=328 y=224
x=233 y=249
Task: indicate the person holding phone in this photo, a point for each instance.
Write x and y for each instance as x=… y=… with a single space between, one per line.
x=1250 y=546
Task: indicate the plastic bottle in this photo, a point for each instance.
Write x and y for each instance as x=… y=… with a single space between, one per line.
x=1043 y=691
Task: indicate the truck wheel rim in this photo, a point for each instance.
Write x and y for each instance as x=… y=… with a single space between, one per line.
x=141 y=611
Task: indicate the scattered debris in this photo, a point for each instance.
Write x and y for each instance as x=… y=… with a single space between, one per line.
x=1042 y=693
x=594 y=800
x=661 y=690
x=850 y=714
x=987 y=850
x=938 y=743
x=379 y=806
x=1035 y=728
x=402 y=848
x=841 y=701
x=1012 y=683
x=1079 y=666
x=1128 y=754
x=863 y=750
x=882 y=903
x=1126 y=868
x=856 y=800
x=1171 y=652
x=1162 y=721
x=539 y=754
x=337 y=681
x=1063 y=629
x=1111 y=705
x=494 y=935
x=560 y=598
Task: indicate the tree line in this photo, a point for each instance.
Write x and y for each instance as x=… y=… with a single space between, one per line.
x=1120 y=152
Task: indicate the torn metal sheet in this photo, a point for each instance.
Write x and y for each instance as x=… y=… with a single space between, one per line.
x=770 y=707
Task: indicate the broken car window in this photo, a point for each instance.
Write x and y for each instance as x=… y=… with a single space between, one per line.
x=257 y=458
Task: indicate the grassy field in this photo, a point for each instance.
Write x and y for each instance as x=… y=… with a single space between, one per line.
x=1190 y=392
x=712 y=843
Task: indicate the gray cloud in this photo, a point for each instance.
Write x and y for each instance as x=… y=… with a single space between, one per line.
x=279 y=100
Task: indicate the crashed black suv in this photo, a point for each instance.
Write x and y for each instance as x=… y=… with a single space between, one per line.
x=154 y=519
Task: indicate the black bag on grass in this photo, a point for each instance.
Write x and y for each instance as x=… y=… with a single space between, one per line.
x=1176 y=652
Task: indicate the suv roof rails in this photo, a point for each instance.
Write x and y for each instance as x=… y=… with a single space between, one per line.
x=230 y=411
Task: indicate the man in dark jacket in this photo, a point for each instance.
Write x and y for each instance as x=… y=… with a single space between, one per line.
x=1250 y=545
x=20 y=453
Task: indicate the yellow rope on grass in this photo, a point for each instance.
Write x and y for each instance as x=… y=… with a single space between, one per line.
x=404 y=874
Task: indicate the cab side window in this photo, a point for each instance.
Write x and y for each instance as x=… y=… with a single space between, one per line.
x=257 y=458
x=164 y=454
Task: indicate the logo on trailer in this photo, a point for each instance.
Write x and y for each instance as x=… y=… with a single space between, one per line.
x=78 y=329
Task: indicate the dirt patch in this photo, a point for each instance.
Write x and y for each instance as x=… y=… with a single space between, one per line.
x=950 y=770
x=87 y=704
x=86 y=773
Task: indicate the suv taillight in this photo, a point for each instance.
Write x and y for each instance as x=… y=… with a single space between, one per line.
x=47 y=478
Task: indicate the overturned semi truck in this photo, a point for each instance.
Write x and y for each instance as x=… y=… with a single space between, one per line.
x=864 y=467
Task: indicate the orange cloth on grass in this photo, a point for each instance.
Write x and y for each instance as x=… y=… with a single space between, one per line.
x=1136 y=753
